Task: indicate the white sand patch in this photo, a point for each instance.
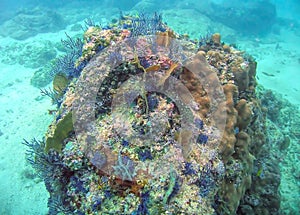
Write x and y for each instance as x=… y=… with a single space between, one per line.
x=22 y=116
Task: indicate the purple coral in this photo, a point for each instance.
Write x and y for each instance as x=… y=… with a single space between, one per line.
x=146 y=25
x=98 y=160
x=202 y=139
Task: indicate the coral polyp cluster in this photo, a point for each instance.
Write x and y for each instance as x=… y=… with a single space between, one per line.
x=154 y=124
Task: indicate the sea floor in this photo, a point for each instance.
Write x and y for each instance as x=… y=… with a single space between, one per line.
x=24 y=112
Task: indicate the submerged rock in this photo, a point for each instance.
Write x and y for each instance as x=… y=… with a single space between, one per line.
x=31 y=55
x=160 y=126
x=30 y=22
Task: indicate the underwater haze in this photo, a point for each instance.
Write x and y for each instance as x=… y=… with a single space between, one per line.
x=150 y=107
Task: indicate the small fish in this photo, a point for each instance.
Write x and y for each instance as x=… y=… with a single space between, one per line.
x=51 y=112
x=60 y=83
x=268 y=74
x=140 y=101
x=259 y=172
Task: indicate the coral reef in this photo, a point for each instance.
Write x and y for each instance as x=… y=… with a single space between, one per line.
x=30 y=22
x=281 y=149
x=242 y=16
x=156 y=123
x=41 y=77
x=31 y=55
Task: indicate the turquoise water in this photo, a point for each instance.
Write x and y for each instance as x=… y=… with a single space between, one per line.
x=30 y=40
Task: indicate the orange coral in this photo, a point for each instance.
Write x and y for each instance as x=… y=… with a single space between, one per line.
x=164 y=38
x=153 y=68
x=168 y=73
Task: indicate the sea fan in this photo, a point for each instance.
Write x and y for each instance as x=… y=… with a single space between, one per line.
x=53 y=95
x=66 y=63
x=146 y=25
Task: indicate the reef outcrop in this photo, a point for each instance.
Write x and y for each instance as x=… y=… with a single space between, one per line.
x=29 y=22
x=161 y=125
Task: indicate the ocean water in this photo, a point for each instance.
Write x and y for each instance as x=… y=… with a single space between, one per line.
x=34 y=34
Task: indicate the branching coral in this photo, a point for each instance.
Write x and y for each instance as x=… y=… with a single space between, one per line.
x=66 y=63
x=53 y=95
x=125 y=168
x=48 y=166
x=56 y=206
